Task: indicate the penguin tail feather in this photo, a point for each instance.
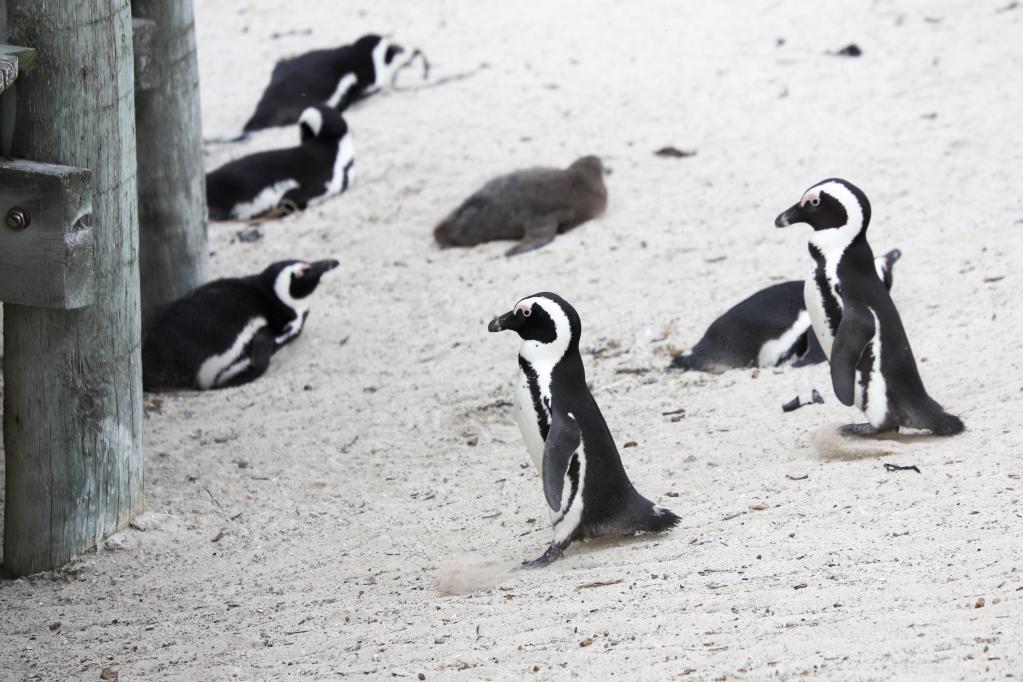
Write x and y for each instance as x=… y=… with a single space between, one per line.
x=934 y=418
x=660 y=519
x=946 y=424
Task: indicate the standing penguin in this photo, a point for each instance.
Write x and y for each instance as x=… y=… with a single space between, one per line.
x=334 y=77
x=765 y=330
x=533 y=205
x=319 y=167
x=872 y=366
x=223 y=333
x=588 y=492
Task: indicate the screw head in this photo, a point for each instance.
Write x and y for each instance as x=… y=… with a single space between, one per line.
x=18 y=218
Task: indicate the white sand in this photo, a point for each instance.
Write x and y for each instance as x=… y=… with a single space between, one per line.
x=349 y=465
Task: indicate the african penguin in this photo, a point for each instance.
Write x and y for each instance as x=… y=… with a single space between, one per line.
x=588 y=492
x=335 y=77
x=291 y=178
x=223 y=333
x=531 y=205
x=860 y=331
x=765 y=330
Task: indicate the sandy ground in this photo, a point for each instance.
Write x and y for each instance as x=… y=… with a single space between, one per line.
x=296 y=526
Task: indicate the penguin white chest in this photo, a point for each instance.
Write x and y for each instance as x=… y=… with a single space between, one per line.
x=814 y=298
x=529 y=420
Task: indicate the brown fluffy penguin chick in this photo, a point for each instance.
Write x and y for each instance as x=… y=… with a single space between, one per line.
x=532 y=205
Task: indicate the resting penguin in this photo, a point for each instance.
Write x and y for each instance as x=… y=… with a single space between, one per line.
x=319 y=167
x=588 y=493
x=533 y=205
x=765 y=330
x=223 y=333
x=872 y=366
x=336 y=78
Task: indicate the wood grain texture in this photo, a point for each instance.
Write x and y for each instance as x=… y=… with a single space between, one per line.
x=173 y=252
x=72 y=379
x=48 y=264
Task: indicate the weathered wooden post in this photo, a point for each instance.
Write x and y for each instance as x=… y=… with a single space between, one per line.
x=72 y=377
x=172 y=188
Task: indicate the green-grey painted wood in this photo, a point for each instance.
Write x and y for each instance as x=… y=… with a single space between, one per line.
x=73 y=379
x=173 y=251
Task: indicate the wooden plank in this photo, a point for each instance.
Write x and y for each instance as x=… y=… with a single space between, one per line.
x=73 y=379
x=173 y=250
x=49 y=262
x=8 y=71
x=26 y=56
x=143 y=33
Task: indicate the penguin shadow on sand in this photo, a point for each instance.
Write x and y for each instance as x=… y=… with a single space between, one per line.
x=533 y=206
x=832 y=445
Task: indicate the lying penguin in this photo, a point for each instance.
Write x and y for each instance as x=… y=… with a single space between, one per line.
x=533 y=205
x=588 y=492
x=872 y=365
x=765 y=330
x=291 y=178
x=335 y=78
x=224 y=333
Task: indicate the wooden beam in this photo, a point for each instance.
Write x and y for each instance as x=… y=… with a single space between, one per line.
x=72 y=379
x=143 y=32
x=8 y=71
x=173 y=250
x=45 y=235
x=26 y=56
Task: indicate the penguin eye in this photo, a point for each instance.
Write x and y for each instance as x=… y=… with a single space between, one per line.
x=526 y=312
x=815 y=201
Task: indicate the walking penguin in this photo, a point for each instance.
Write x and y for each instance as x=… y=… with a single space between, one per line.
x=224 y=333
x=855 y=320
x=588 y=492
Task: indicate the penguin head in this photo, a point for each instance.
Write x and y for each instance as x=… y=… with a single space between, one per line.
x=383 y=57
x=293 y=280
x=547 y=324
x=837 y=210
x=319 y=121
x=884 y=264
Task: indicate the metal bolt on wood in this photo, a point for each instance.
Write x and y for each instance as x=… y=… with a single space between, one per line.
x=18 y=218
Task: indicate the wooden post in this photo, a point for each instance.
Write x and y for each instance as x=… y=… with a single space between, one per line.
x=73 y=379
x=173 y=252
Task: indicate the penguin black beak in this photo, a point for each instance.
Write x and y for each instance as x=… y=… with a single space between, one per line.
x=507 y=321
x=790 y=217
x=319 y=267
x=892 y=256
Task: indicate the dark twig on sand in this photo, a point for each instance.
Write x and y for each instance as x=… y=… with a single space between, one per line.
x=899 y=467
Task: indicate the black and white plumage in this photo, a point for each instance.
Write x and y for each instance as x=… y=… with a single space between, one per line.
x=767 y=329
x=335 y=78
x=855 y=320
x=321 y=166
x=587 y=490
x=224 y=333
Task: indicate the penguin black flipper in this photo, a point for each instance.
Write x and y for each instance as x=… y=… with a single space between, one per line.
x=563 y=440
x=854 y=333
x=260 y=350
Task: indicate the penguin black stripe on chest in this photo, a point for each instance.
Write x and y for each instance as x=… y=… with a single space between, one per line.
x=872 y=365
x=587 y=491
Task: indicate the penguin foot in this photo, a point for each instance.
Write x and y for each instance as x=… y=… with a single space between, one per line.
x=861 y=430
x=548 y=557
